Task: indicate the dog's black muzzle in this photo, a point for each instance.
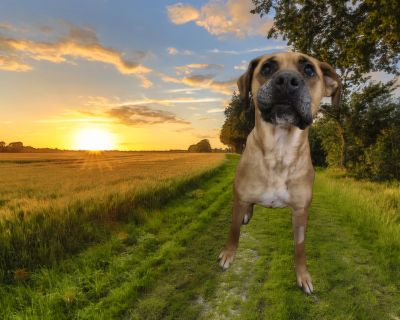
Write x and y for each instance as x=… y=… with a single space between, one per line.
x=285 y=99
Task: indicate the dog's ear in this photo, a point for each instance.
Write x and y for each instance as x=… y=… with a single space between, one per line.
x=244 y=82
x=333 y=83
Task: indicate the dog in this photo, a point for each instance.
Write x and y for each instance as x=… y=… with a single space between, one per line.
x=275 y=169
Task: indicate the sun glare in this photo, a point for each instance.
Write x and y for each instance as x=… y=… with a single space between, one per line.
x=94 y=139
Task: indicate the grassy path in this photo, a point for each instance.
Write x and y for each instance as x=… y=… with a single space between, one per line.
x=166 y=268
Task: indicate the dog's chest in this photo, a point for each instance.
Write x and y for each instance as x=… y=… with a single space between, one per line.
x=274 y=195
x=267 y=176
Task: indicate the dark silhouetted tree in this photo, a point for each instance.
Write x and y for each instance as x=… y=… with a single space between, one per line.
x=15 y=147
x=202 y=146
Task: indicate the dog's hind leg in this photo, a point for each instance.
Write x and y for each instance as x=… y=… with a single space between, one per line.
x=227 y=255
x=299 y=221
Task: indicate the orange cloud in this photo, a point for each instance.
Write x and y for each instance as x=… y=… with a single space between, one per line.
x=13 y=63
x=139 y=115
x=180 y=13
x=105 y=102
x=221 y=18
x=206 y=81
x=79 y=43
x=187 y=69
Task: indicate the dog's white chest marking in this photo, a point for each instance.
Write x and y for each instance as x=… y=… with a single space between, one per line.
x=277 y=198
x=280 y=163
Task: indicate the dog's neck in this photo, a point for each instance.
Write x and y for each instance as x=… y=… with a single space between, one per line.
x=285 y=143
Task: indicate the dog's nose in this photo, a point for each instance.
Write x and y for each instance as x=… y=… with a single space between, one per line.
x=287 y=81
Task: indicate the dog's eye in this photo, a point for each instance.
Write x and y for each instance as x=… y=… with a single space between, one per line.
x=309 y=70
x=266 y=69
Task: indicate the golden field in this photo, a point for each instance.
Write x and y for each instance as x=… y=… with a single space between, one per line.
x=55 y=204
x=32 y=181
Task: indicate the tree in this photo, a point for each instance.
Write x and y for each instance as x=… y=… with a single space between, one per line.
x=382 y=158
x=2 y=145
x=372 y=130
x=238 y=124
x=15 y=147
x=318 y=153
x=202 y=146
x=356 y=37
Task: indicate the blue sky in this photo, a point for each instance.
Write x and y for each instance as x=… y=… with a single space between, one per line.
x=154 y=75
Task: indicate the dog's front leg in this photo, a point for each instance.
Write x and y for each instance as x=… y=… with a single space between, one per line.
x=299 y=221
x=240 y=209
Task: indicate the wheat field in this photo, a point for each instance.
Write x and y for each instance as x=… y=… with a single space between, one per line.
x=55 y=204
x=31 y=182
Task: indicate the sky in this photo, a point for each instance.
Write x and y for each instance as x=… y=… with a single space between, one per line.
x=138 y=75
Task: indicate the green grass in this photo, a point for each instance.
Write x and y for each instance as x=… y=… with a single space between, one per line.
x=164 y=266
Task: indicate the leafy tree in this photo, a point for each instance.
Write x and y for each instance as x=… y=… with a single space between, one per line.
x=355 y=36
x=327 y=131
x=238 y=124
x=318 y=154
x=202 y=146
x=371 y=112
x=382 y=158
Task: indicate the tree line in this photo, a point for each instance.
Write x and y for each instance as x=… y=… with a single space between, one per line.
x=18 y=146
x=357 y=38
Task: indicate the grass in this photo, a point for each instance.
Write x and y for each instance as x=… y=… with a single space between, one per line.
x=353 y=271
x=164 y=266
x=55 y=205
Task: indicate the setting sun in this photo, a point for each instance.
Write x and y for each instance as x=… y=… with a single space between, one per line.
x=94 y=139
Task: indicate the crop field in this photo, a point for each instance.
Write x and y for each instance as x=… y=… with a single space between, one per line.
x=31 y=182
x=151 y=253
x=51 y=204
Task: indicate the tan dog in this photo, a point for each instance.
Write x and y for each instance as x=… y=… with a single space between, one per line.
x=275 y=169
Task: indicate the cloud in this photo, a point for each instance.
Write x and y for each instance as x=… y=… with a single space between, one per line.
x=226 y=87
x=138 y=115
x=253 y=50
x=105 y=102
x=184 y=90
x=79 y=43
x=242 y=65
x=180 y=13
x=204 y=81
x=216 y=110
x=13 y=63
x=146 y=83
x=174 y=51
x=221 y=18
x=187 y=69
x=198 y=79
x=130 y=115
x=5 y=26
x=185 y=129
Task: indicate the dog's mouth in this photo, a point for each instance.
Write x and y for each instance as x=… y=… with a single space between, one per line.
x=285 y=114
x=285 y=110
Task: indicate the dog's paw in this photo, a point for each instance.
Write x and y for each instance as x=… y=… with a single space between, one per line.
x=304 y=282
x=226 y=257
